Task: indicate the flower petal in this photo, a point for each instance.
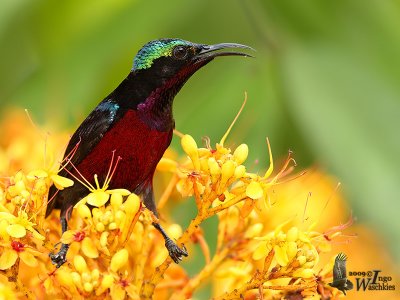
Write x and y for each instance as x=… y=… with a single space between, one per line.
x=8 y=259
x=123 y=192
x=16 y=230
x=81 y=202
x=89 y=248
x=61 y=182
x=28 y=258
x=166 y=165
x=254 y=190
x=68 y=237
x=97 y=198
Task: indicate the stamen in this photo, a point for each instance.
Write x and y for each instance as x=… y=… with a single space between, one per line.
x=234 y=120
x=108 y=180
x=43 y=205
x=271 y=161
x=291 y=178
x=96 y=180
x=178 y=133
x=85 y=182
x=305 y=207
x=207 y=142
x=111 y=164
x=288 y=160
x=69 y=156
x=329 y=199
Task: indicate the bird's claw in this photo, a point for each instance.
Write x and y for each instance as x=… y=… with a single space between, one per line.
x=174 y=251
x=58 y=258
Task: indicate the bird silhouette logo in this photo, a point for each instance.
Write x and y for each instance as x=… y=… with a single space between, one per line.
x=340 y=280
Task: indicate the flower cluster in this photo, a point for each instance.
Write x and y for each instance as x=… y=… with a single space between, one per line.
x=116 y=253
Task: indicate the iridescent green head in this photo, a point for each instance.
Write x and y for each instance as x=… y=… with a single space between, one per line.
x=156 y=49
x=182 y=52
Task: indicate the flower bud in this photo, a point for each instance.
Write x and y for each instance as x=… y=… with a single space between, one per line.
x=100 y=227
x=116 y=201
x=106 y=283
x=104 y=239
x=301 y=259
x=95 y=274
x=281 y=256
x=132 y=204
x=80 y=264
x=88 y=287
x=215 y=170
x=119 y=260
x=291 y=250
x=241 y=153
x=84 y=212
x=112 y=226
x=190 y=147
x=292 y=234
x=76 y=278
x=86 y=277
x=240 y=171
x=227 y=170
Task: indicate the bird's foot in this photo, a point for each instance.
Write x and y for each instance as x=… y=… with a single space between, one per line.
x=59 y=258
x=174 y=251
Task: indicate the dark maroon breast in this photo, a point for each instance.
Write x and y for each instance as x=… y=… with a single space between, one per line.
x=139 y=146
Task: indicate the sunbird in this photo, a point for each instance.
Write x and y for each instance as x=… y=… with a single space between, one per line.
x=135 y=123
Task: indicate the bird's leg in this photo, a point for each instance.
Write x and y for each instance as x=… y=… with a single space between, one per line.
x=174 y=251
x=59 y=258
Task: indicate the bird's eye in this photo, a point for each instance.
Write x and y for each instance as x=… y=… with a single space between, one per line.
x=180 y=52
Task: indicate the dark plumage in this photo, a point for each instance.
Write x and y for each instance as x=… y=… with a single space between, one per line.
x=134 y=122
x=340 y=280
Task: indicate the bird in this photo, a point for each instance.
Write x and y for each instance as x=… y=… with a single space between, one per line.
x=340 y=280
x=136 y=123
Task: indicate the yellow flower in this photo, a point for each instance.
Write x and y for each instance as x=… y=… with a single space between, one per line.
x=17 y=226
x=16 y=250
x=59 y=181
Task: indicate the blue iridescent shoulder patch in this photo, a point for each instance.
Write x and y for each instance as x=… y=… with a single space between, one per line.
x=153 y=50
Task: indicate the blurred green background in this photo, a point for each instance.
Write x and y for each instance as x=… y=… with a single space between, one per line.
x=325 y=82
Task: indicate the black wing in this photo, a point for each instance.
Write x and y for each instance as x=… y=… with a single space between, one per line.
x=339 y=268
x=86 y=137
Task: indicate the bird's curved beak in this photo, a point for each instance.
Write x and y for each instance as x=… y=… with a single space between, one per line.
x=208 y=52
